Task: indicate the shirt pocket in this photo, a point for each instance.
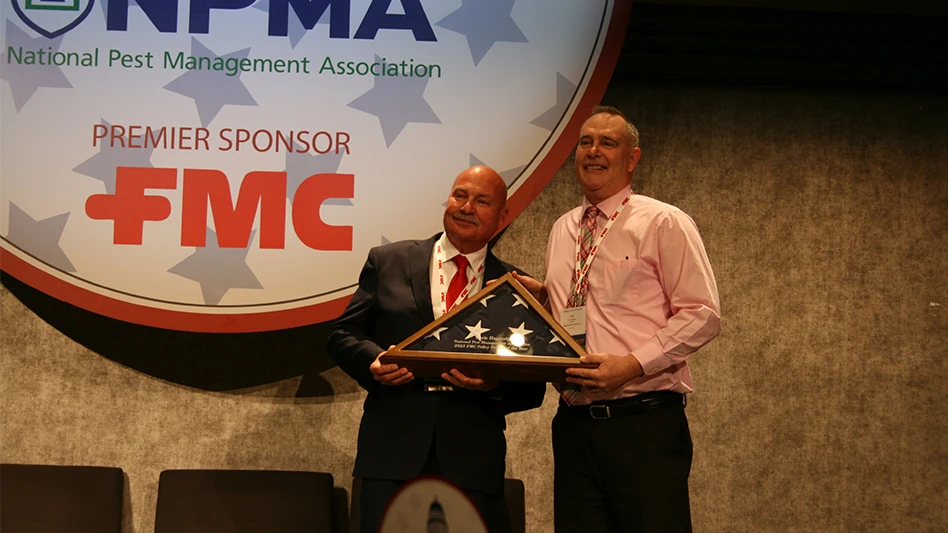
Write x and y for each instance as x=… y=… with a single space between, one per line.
x=619 y=282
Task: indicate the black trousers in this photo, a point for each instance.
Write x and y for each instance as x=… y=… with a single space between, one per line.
x=376 y=493
x=624 y=474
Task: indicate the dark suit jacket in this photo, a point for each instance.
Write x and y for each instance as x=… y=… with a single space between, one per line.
x=400 y=424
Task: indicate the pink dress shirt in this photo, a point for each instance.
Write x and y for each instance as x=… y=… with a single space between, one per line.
x=651 y=290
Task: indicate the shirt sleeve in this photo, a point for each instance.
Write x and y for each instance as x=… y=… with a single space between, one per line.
x=690 y=288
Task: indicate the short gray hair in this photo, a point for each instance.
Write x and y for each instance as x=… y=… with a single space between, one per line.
x=631 y=132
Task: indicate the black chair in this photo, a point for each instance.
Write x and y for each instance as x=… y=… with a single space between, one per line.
x=60 y=499
x=244 y=501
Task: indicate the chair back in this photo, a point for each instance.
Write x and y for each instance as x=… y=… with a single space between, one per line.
x=244 y=501
x=60 y=499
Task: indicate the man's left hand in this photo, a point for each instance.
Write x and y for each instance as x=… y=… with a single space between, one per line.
x=456 y=378
x=613 y=372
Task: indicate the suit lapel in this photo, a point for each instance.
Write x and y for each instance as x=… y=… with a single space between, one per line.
x=419 y=264
x=493 y=268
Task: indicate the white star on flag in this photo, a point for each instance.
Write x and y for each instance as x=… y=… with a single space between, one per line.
x=556 y=339
x=521 y=330
x=519 y=301
x=484 y=299
x=476 y=331
x=437 y=333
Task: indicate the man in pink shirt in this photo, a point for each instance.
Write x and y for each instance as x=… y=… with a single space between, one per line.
x=630 y=276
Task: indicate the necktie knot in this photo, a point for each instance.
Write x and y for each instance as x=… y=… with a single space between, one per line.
x=462 y=263
x=592 y=213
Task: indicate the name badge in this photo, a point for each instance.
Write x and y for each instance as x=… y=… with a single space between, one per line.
x=573 y=320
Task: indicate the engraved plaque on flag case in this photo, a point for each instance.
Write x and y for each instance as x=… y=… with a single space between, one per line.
x=501 y=332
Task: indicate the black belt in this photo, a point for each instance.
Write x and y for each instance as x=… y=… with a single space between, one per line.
x=632 y=405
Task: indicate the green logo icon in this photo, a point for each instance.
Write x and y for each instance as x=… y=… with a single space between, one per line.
x=53 y=5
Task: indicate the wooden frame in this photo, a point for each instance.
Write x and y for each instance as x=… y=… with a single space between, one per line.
x=509 y=367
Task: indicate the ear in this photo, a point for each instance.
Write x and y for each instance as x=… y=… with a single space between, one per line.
x=634 y=159
x=503 y=217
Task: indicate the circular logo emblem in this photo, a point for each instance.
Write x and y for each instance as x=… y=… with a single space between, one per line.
x=229 y=169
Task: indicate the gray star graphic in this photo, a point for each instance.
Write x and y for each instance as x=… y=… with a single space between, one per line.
x=484 y=22
x=396 y=100
x=295 y=30
x=509 y=175
x=556 y=339
x=24 y=80
x=300 y=166
x=218 y=269
x=565 y=90
x=484 y=299
x=40 y=238
x=518 y=301
x=102 y=165
x=212 y=90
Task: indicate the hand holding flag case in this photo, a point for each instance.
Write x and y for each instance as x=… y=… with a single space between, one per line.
x=501 y=332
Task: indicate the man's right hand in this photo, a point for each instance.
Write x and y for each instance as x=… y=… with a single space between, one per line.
x=391 y=374
x=534 y=287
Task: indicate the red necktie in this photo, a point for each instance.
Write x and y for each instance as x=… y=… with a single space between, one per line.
x=459 y=281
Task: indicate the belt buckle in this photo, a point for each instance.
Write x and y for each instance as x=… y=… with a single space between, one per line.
x=600 y=412
x=438 y=388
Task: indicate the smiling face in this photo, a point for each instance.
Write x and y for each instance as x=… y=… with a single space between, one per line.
x=476 y=207
x=605 y=157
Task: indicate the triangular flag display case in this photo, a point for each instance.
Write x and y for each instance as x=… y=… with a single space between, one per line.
x=501 y=332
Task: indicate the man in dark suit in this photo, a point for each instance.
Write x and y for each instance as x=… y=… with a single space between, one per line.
x=410 y=427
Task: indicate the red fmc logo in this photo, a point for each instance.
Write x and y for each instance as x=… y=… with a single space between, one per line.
x=130 y=207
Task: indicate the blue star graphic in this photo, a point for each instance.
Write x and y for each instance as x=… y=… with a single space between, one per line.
x=300 y=166
x=295 y=30
x=212 y=90
x=24 y=80
x=565 y=90
x=509 y=176
x=40 y=238
x=484 y=22
x=217 y=269
x=396 y=100
x=102 y=165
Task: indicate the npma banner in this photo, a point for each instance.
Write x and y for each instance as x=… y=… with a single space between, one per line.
x=226 y=165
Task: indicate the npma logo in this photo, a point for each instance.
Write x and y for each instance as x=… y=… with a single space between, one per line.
x=52 y=18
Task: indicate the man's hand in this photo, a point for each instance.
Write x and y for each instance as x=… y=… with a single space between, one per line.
x=456 y=378
x=389 y=374
x=613 y=372
x=534 y=287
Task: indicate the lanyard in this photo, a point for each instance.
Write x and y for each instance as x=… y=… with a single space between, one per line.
x=581 y=270
x=439 y=253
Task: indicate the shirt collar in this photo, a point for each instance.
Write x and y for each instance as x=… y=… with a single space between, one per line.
x=609 y=205
x=474 y=258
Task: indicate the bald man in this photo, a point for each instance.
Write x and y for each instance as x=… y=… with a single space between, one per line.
x=412 y=427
